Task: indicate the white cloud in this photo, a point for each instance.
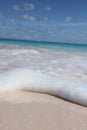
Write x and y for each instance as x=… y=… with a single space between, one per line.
x=26 y=6
x=45 y=19
x=28 y=37
x=16 y=7
x=68 y=19
x=2 y=15
x=28 y=17
x=13 y=22
x=48 y=8
x=29 y=6
x=50 y=32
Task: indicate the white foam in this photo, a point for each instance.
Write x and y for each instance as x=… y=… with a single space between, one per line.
x=48 y=61
x=25 y=79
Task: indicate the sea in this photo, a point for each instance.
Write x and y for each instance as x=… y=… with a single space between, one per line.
x=59 y=69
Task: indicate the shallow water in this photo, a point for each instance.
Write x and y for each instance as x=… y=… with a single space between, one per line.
x=64 y=65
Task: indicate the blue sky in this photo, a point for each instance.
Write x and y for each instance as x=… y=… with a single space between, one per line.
x=44 y=20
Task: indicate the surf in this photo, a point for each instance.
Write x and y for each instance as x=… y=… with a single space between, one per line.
x=30 y=80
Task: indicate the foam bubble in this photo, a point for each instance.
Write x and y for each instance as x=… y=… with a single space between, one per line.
x=25 y=79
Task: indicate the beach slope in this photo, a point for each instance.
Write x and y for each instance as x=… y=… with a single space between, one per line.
x=35 y=111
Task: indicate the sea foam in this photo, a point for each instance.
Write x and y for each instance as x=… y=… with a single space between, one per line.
x=29 y=80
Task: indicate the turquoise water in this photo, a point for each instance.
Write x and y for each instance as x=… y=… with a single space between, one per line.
x=51 y=45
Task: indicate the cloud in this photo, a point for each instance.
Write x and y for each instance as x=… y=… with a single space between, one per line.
x=29 y=6
x=26 y=6
x=45 y=19
x=50 y=32
x=28 y=37
x=2 y=15
x=48 y=8
x=28 y=17
x=13 y=22
x=68 y=19
x=80 y=35
x=72 y=24
x=65 y=25
x=16 y=7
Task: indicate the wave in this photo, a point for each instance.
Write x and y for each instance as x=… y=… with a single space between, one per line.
x=29 y=80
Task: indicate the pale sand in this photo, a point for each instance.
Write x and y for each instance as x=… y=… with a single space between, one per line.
x=32 y=111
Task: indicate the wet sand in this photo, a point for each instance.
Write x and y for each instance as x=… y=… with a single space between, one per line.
x=35 y=111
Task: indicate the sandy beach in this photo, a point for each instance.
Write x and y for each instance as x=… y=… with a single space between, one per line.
x=43 y=65
x=35 y=111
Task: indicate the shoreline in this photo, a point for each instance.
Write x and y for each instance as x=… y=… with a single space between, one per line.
x=21 y=110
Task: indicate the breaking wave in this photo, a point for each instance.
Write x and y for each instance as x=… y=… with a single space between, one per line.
x=29 y=80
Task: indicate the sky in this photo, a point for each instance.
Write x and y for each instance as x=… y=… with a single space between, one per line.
x=44 y=20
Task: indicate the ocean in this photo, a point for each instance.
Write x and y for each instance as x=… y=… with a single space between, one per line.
x=59 y=69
